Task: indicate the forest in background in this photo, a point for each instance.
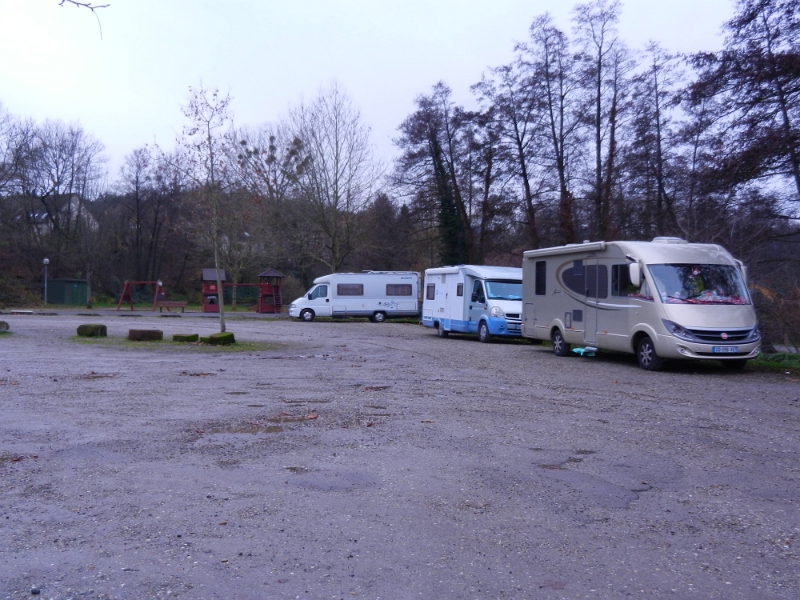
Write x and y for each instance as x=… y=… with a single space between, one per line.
x=579 y=137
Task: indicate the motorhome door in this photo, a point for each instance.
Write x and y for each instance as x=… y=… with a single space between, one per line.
x=592 y=284
x=477 y=305
x=318 y=300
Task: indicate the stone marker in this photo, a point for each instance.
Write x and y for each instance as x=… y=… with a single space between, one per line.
x=145 y=335
x=92 y=330
x=185 y=337
x=221 y=339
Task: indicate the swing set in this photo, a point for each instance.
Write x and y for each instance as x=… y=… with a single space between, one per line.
x=128 y=291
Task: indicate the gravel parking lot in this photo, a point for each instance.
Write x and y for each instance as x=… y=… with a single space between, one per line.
x=360 y=460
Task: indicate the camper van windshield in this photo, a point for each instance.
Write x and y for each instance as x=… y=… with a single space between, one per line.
x=504 y=290
x=699 y=284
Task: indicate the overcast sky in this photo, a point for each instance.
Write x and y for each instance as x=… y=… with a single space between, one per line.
x=126 y=89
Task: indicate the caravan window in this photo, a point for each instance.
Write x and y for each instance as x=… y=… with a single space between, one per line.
x=349 y=289
x=430 y=292
x=587 y=280
x=398 y=289
x=541 y=278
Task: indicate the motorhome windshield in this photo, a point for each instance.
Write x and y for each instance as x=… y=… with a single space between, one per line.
x=699 y=284
x=504 y=290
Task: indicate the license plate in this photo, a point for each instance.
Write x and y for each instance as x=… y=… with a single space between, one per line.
x=725 y=349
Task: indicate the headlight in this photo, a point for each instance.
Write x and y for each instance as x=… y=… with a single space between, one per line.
x=755 y=334
x=678 y=331
x=293 y=305
x=497 y=312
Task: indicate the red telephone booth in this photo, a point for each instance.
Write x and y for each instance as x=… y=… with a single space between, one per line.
x=269 y=294
x=211 y=295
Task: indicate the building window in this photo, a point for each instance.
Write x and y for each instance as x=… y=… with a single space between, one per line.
x=349 y=289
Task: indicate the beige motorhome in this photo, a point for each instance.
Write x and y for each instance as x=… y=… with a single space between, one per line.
x=665 y=299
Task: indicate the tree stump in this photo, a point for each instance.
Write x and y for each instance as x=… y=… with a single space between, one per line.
x=92 y=330
x=145 y=335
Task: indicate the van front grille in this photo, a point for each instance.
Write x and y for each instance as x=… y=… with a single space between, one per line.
x=721 y=336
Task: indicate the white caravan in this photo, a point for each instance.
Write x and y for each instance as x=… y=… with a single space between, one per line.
x=375 y=294
x=473 y=299
x=661 y=299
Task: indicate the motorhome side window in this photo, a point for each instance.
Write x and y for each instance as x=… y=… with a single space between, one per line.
x=541 y=278
x=477 y=293
x=398 y=289
x=430 y=292
x=621 y=281
x=321 y=291
x=349 y=289
x=460 y=289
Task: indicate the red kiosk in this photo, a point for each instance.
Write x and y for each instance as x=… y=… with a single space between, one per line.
x=211 y=295
x=269 y=296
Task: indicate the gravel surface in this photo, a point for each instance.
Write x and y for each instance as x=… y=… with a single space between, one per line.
x=352 y=459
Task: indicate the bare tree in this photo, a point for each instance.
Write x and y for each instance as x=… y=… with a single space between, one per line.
x=342 y=172
x=207 y=159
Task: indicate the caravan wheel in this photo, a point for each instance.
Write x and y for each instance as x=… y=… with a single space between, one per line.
x=560 y=347
x=379 y=317
x=646 y=355
x=307 y=315
x=483 y=333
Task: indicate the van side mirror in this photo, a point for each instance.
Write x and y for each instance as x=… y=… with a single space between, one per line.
x=635 y=274
x=474 y=297
x=309 y=296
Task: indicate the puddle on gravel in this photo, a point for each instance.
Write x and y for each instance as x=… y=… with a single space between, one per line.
x=553 y=467
x=237 y=393
x=376 y=406
x=256 y=405
x=585 y=452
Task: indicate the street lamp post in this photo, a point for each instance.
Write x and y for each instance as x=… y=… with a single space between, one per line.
x=45 y=262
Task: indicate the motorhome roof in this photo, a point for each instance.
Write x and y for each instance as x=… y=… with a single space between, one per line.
x=327 y=278
x=480 y=271
x=660 y=250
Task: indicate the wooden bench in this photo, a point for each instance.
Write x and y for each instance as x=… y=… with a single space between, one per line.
x=169 y=304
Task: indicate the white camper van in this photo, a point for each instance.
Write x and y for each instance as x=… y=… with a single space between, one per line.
x=473 y=299
x=375 y=294
x=661 y=299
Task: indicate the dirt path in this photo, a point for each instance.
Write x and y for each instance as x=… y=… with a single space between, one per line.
x=379 y=461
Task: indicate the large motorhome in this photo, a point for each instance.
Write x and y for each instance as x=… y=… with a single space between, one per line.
x=375 y=294
x=665 y=299
x=473 y=299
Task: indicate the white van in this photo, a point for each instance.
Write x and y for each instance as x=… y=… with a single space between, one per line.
x=375 y=294
x=473 y=299
x=661 y=299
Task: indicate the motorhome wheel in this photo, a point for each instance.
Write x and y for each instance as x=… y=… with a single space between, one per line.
x=483 y=333
x=379 y=317
x=646 y=354
x=560 y=347
x=307 y=315
x=441 y=332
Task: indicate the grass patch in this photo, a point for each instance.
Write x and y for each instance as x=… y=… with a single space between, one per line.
x=779 y=362
x=170 y=346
